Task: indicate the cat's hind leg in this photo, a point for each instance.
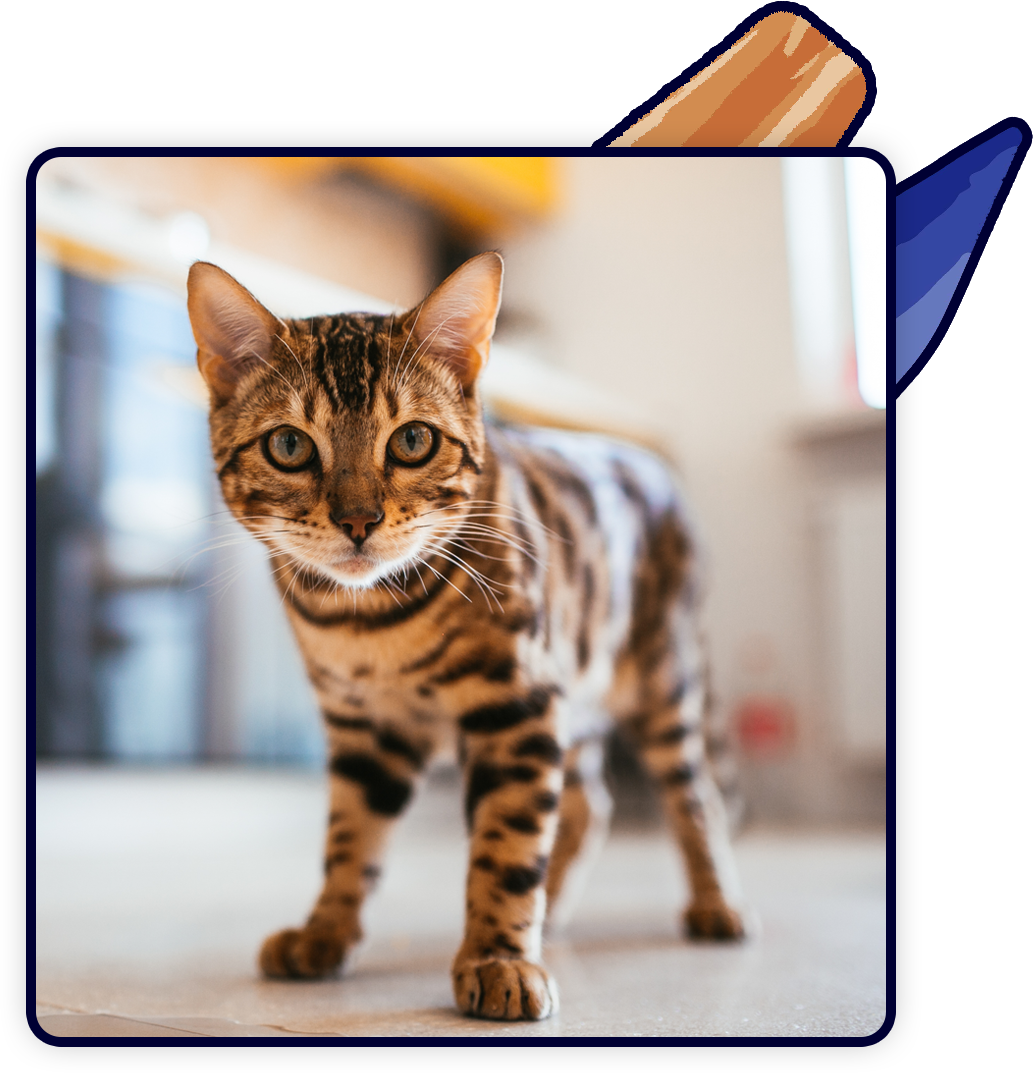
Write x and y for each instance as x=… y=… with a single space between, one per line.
x=670 y=743
x=584 y=820
x=372 y=774
x=660 y=697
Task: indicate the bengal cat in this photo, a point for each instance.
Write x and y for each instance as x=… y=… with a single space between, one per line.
x=507 y=592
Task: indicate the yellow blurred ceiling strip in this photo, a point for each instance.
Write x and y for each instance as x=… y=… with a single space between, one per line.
x=478 y=194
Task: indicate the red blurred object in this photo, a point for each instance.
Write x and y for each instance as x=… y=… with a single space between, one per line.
x=765 y=725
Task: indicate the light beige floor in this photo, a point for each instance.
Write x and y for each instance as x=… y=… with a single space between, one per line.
x=154 y=889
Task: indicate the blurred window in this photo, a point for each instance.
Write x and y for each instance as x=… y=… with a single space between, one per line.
x=127 y=514
x=835 y=221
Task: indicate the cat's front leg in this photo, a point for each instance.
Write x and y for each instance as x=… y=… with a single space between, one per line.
x=371 y=781
x=513 y=783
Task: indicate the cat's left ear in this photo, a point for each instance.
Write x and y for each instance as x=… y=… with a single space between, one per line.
x=455 y=323
x=233 y=330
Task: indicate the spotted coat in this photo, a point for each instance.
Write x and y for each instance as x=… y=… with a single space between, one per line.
x=455 y=584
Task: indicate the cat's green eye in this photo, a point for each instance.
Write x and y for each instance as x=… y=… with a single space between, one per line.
x=411 y=444
x=290 y=448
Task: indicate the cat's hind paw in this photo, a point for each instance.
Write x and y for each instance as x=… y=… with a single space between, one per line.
x=301 y=953
x=504 y=990
x=718 y=921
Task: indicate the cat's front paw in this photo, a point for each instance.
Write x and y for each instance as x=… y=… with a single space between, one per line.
x=714 y=921
x=301 y=953
x=504 y=990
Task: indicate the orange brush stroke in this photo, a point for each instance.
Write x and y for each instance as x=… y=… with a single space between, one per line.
x=783 y=83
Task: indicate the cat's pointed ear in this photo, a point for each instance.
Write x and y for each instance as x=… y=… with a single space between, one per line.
x=455 y=323
x=233 y=330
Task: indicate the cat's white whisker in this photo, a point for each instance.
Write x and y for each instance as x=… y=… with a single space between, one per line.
x=290 y=386
x=482 y=583
x=424 y=343
x=424 y=562
x=416 y=320
x=290 y=349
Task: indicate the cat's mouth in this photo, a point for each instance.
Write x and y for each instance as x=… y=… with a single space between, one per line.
x=352 y=566
x=361 y=567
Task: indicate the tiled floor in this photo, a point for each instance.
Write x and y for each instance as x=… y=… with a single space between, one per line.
x=155 y=888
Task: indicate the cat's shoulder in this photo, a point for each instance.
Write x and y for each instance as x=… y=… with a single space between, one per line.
x=601 y=462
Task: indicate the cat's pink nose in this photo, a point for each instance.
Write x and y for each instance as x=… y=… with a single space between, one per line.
x=357 y=526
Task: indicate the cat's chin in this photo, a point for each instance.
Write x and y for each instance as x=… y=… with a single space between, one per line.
x=359 y=571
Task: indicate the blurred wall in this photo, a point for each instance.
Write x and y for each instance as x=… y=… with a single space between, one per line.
x=663 y=284
x=337 y=226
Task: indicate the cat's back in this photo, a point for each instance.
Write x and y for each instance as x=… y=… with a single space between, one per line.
x=619 y=489
x=618 y=528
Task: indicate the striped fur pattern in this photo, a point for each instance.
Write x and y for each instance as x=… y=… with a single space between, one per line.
x=452 y=584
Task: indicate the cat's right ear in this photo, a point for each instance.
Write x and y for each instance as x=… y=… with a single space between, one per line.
x=233 y=330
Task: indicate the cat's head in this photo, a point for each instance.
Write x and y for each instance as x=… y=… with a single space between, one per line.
x=352 y=442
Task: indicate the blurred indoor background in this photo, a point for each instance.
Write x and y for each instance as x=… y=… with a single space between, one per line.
x=720 y=309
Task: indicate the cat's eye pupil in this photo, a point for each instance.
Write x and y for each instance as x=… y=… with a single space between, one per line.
x=412 y=444
x=290 y=449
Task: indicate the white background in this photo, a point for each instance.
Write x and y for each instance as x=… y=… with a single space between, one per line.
x=980 y=594
x=535 y=56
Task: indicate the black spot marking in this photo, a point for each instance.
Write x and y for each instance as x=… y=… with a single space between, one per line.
x=494 y=717
x=523 y=822
x=467 y=461
x=572 y=777
x=563 y=531
x=501 y=942
x=676 y=694
x=362 y=671
x=537 y=497
x=493 y=836
x=385 y=793
x=435 y=653
x=519 y=879
x=630 y=487
x=487 y=778
x=347 y=722
x=337 y=858
x=682 y=775
x=546 y=801
x=489 y=665
x=343 y=836
x=519 y=620
x=484 y=863
x=371 y=872
x=541 y=747
x=392 y=742
x=672 y=735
